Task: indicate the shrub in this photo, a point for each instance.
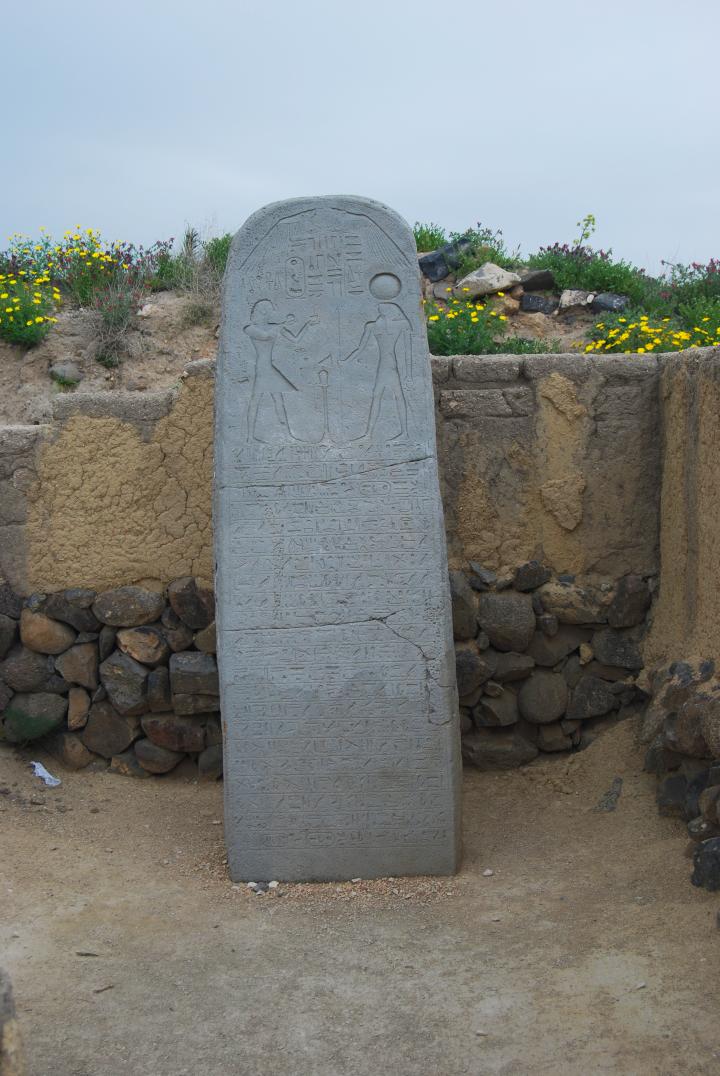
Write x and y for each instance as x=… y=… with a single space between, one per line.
x=691 y=283
x=197 y=269
x=470 y=328
x=115 y=304
x=486 y=246
x=428 y=236
x=27 y=303
x=587 y=269
x=216 y=253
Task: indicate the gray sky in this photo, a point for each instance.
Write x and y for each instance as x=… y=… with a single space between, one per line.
x=138 y=118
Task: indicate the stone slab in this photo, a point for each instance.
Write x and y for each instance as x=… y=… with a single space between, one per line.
x=333 y=624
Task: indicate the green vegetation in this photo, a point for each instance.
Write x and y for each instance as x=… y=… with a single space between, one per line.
x=676 y=310
x=485 y=245
x=428 y=236
x=470 y=328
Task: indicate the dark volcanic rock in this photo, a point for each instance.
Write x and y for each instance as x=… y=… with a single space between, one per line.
x=481 y=578
x=10 y=603
x=68 y=748
x=73 y=607
x=195 y=605
x=174 y=733
x=671 y=795
x=543 y=697
x=439 y=263
x=538 y=304
x=706 y=861
x=511 y=666
x=195 y=704
x=206 y=640
x=659 y=759
x=127 y=607
x=548 y=650
x=125 y=681
x=618 y=648
x=156 y=759
x=508 y=619
x=194 y=673
x=684 y=732
x=158 y=690
x=464 y=607
x=608 y=302
x=492 y=712
x=106 y=641
x=498 y=749
x=537 y=280
x=79 y=665
x=210 y=763
x=8 y=633
x=26 y=670
x=29 y=716
x=108 y=732
x=591 y=697
x=630 y=604
x=472 y=668
x=552 y=737
x=531 y=575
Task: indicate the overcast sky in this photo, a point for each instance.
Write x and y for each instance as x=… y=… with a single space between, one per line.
x=141 y=117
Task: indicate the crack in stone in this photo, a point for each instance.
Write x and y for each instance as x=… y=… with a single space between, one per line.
x=325 y=481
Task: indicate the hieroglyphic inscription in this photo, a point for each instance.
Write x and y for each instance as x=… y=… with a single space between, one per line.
x=334 y=641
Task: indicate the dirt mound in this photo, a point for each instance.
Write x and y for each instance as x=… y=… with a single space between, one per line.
x=158 y=346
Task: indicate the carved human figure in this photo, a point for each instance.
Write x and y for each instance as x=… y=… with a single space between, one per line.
x=390 y=332
x=264 y=329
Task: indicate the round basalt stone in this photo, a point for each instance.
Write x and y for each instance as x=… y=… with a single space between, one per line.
x=127 y=607
x=43 y=634
x=543 y=697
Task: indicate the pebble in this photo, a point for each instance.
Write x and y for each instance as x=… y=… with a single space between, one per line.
x=273 y=885
x=488 y=873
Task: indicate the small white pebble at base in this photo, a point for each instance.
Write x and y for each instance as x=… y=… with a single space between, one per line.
x=273 y=885
x=488 y=873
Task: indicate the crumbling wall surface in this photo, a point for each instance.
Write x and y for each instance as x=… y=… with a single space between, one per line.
x=551 y=457
x=686 y=619
x=123 y=489
x=547 y=457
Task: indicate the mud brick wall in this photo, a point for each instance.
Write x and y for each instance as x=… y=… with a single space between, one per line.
x=554 y=457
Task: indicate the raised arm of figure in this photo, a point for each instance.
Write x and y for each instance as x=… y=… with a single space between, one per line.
x=287 y=331
x=367 y=333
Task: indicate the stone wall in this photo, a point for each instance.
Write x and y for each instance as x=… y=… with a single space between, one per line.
x=551 y=476
x=686 y=620
x=681 y=726
x=553 y=458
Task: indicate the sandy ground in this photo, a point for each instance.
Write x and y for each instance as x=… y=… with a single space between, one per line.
x=586 y=951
